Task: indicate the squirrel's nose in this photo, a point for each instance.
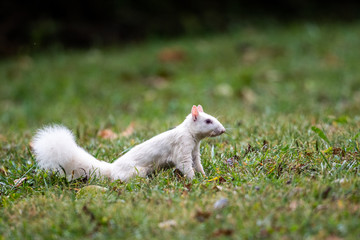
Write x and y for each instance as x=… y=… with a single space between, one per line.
x=222 y=131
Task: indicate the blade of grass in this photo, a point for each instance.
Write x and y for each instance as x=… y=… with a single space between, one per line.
x=321 y=134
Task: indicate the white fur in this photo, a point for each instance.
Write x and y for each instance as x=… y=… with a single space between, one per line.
x=55 y=149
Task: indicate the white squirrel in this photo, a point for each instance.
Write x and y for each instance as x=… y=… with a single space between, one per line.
x=55 y=149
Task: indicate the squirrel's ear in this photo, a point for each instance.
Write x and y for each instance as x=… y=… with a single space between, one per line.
x=200 y=109
x=194 y=113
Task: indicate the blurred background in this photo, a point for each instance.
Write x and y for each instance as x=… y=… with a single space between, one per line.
x=108 y=62
x=30 y=25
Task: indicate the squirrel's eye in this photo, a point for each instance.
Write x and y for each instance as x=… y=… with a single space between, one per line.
x=208 y=121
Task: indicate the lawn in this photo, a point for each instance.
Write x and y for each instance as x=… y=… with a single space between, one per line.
x=288 y=167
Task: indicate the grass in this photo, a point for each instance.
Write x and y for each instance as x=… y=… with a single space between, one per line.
x=288 y=167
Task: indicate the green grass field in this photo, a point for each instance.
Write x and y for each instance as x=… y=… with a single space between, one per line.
x=288 y=166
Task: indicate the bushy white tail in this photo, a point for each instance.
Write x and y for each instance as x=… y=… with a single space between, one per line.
x=55 y=149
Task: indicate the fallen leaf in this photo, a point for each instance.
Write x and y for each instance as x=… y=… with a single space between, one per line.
x=171 y=55
x=129 y=130
x=338 y=151
x=202 y=216
x=167 y=224
x=18 y=182
x=223 y=232
x=221 y=180
x=107 y=134
x=218 y=188
x=188 y=186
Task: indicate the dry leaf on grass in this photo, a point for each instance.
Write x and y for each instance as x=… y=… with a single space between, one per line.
x=223 y=232
x=18 y=182
x=107 y=134
x=202 y=216
x=171 y=55
x=129 y=130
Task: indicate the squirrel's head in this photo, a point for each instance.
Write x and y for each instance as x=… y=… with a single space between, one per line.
x=204 y=125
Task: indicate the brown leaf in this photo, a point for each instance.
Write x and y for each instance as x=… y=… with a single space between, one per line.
x=309 y=154
x=221 y=180
x=217 y=188
x=202 y=216
x=222 y=232
x=188 y=186
x=129 y=130
x=171 y=55
x=18 y=182
x=107 y=134
x=338 y=151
